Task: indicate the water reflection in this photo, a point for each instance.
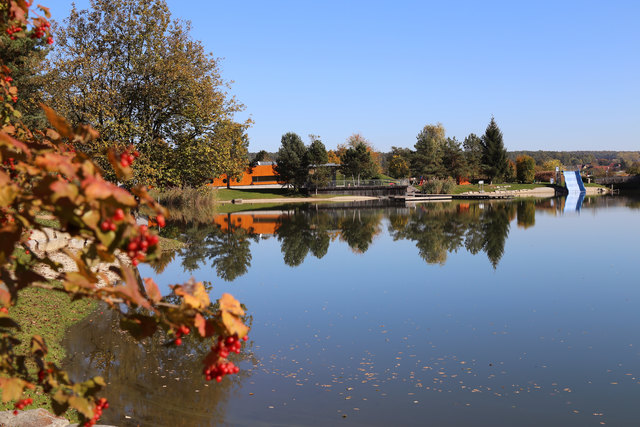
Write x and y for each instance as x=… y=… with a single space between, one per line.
x=148 y=382
x=437 y=229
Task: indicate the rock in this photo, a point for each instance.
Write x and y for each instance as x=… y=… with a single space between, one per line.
x=32 y=418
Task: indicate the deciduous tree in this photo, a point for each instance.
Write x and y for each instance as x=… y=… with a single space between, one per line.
x=138 y=77
x=427 y=159
x=292 y=161
x=525 y=169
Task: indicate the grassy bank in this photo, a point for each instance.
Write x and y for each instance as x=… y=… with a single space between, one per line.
x=48 y=314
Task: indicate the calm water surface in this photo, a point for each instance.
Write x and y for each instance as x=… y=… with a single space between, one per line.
x=514 y=313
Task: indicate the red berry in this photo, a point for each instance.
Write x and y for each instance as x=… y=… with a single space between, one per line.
x=153 y=240
x=118 y=215
x=112 y=226
x=178 y=341
x=135 y=262
x=50 y=40
x=160 y=220
x=132 y=247
x=105 y=226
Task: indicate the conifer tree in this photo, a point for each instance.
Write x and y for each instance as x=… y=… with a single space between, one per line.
x=494 y=155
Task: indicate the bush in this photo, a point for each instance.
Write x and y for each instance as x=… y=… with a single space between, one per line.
x=438 y=186
x=545 y=176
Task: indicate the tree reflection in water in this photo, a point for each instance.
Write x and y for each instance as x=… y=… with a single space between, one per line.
x=148 y=383
x=437 y=230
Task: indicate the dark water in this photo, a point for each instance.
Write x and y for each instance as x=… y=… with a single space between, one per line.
x=513 y=313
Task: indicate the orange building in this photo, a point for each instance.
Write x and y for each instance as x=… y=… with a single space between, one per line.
x=253 y=223
x=261 y=174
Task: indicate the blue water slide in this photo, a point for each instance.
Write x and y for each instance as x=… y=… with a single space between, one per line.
x=573 y=182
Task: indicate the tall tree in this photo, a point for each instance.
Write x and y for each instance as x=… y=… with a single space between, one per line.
x=453 y=159
x=317 y=151
x=494 y=155
x=292 y=161
x=427 y=159
x=398 y=167
x=357 y=163
x=140 y=79
x=23 y=57
x=473 y=153
x=525 y=169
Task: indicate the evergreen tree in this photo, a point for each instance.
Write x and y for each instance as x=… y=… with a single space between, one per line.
x=357 y=162
x=427 y=159
x=494 y=155
x=292 y=161
x=317 y=151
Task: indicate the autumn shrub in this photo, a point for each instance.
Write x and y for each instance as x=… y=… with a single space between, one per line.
x=42 y=173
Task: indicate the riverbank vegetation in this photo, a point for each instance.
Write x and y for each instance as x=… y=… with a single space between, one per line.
x=53 y=178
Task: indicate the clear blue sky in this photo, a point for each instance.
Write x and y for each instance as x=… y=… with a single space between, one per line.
x=557 y=75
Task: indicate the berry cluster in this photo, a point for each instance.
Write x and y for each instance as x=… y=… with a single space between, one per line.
x=41 y=31
x=138 y=246
x=222 y=367
x=20 y=404
x=127 y=158
x=97 y=413
x=109 y=224
x=12 y=30
x=182 y=330
x=11 y=163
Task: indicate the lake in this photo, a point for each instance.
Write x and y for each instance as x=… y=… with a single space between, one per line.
x=509 y=313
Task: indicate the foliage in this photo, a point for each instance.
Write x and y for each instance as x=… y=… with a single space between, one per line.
x=225 y=152
x=317 y=151
x=473 y=153
x=551 y=165
x=42 y=173
x=438 y=186
x=320 y=177
x=494 y=155
x=454 y=161
x=545 y=176
x=136 y=76
x=292 y=163
x=427 y=159
x=24 y=56
x=398 y=167
x=634 y=169
x=358 y=163
x=525 y=169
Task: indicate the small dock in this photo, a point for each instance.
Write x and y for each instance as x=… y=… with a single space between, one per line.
x=483 y=196
x=425 y=198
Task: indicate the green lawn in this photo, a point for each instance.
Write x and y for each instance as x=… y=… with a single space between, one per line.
x=48 y=314
x=258 y=193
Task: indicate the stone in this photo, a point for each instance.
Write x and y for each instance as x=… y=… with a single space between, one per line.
x=31 y=418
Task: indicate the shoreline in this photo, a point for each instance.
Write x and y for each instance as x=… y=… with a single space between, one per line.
x=536 y=192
